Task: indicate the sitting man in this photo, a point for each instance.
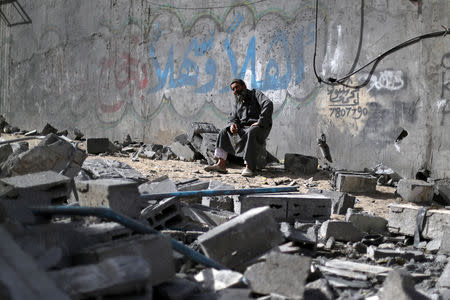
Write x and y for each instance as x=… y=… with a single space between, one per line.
x=249 y=125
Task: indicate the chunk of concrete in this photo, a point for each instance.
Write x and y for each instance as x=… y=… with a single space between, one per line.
x=444 y=280
x=182 y=151
x=120 y=195
x=275 y=275
x=99 y=168
x=242 y=238
x=213 y=216
x=52 y=153
x=20 y=277
x=160 y=187
x=375 y=253
x=288 y=207
x=319 y=289
x=340 y=230
x=48 y=129
x=178 y=288
x=155 y=249
x=165 y=214
x=399 y=284
x=443 y=190
x=300 y=163
x=112 y=276
x=416 y=191
x=367 y=223
x=356 y=183
x=98 y=145
x=341 y=201
x=224 y=202
x=445 y=240
x=402 y=220
x=5 y=151
x=216 y=280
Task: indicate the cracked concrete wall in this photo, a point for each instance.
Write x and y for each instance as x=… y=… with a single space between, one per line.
x=117 y=67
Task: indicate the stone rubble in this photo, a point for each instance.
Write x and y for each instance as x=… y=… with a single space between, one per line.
x=273 y=246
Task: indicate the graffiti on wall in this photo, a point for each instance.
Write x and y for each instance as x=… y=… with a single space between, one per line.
x=384 y=81
x=445 y=88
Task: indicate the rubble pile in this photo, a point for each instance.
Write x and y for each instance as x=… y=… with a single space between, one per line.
x=72 y=228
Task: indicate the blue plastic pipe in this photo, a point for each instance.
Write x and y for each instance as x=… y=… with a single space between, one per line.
x=107 y=213
x=220 y=192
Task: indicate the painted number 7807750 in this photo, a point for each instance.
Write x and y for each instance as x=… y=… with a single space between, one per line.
x=352 y=112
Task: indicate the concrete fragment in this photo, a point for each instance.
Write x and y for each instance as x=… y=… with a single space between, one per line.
x=113 y=276
x=340 y=230
x=52 y=153
x=356 y=183
x=400 y=285
x=208 y=142
x=165 y=214
x=106 y=231
x=5 y=151
x=234 y=294
x=120 y=195
x=443 y=190
x=182 y=151
x=433 y=246
x=242 y=238
x=48 y=129
x=416 y=191
x=178 y=288
x=367 y=223
x=444 y=280
x=212 y=217
x=288 y=207
x=372 y=270
x=275 y=275
x=294 y=235
x=319 y=290
x=20 y=277
x=160 y=187
x=402 y=220
x=341 y=201
x=98 y=145
x=155 y=249
x=225 y=202
x=377 y=253
x=300 y=163
x=216 y=280
x=99 y=168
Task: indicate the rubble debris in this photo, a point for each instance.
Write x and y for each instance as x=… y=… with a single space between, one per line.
x=377 y=253
x=402 y=220
x=165 y=214
x=354 y=182
x=288 y=207
x=340 y=230
x=213 y=217
x=52 y=153
x=224 y=202
x=99 y=168
x=400 y=285
x=48 y=129
x=275 y=275
x=242 y=238
x=155 y=249
x=297 y=236
x=366 y=223
x=178 y=288
x=445 y=240
x=99 y=145
x=183 y=152
x=216 y=280
x=20 y=277
x=120 y=195
x=113 y=276
x=163 y=186
x=341 y=201
x=416 y=191
x=5 y=151
x=443 y=191
x=300 y=163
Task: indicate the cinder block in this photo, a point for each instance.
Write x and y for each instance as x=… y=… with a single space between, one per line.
x=120 y=195
x=341 y=201
x=98 y=145
x=375 y=253
x=402 y=220
x=242 y=238
x=416 y=191
x=165 y=214
x=340 y=230
x=288 y=207
x=219 y=202
x=300 y=163
x=155 y=249
x=367 y=223
x=356 y=183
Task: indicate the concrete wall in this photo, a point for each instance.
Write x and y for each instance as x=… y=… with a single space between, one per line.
x=116 y=67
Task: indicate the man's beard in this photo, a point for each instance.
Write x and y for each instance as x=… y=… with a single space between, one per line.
x=242 y=96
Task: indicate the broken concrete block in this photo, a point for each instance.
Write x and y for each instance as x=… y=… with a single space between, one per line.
x=399 y=284
x=182 y=151
x=112 y=276
x=319 y=289
x=288 y=207
x=225 y=202
x=300 y=163
x=98 y=168
x=120 y=195
x=375 y=253
x=166 y=214
x=242 y=238
x=367 y=223
x=48 y=129
x=275 y=275
x=416 y=191
x=106 y=231
x=160 y=187
x=297 y=236
x=445 y=241
x=341 y=201
x=155 y=249
x=5 y=151
x=52 y=154
x=216 y=280
x=402 y=220
x=443 y=191
x=212 y=217
x=340 y=230
x=20 y=277
x=178 y=288
x=356 y=183
x=208 y=146
x=433 y=246
x=444 y=280
x=98 y=145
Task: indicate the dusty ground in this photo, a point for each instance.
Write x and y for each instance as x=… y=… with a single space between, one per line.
x=376 y=203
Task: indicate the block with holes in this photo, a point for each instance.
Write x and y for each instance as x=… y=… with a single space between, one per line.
x=165 y=214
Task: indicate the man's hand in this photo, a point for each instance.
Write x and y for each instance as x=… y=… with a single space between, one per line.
x=233 y=128
x=254 y=124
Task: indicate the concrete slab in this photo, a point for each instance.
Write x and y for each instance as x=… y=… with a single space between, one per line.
x=416 y=191
x=300 y=163
x=356 y=183
x=399 y=284
x=341 y=201
x=340 y=230
x=367 y=223
x=183 y=152
x=98 y=145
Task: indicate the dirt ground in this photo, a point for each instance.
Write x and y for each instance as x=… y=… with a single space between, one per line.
x=275 y=175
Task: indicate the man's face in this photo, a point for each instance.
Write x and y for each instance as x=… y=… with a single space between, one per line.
x=237 y=88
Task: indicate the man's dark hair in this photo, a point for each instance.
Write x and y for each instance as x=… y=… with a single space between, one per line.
x=239 y=81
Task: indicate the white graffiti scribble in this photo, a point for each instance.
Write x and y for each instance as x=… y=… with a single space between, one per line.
x=388 y=80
